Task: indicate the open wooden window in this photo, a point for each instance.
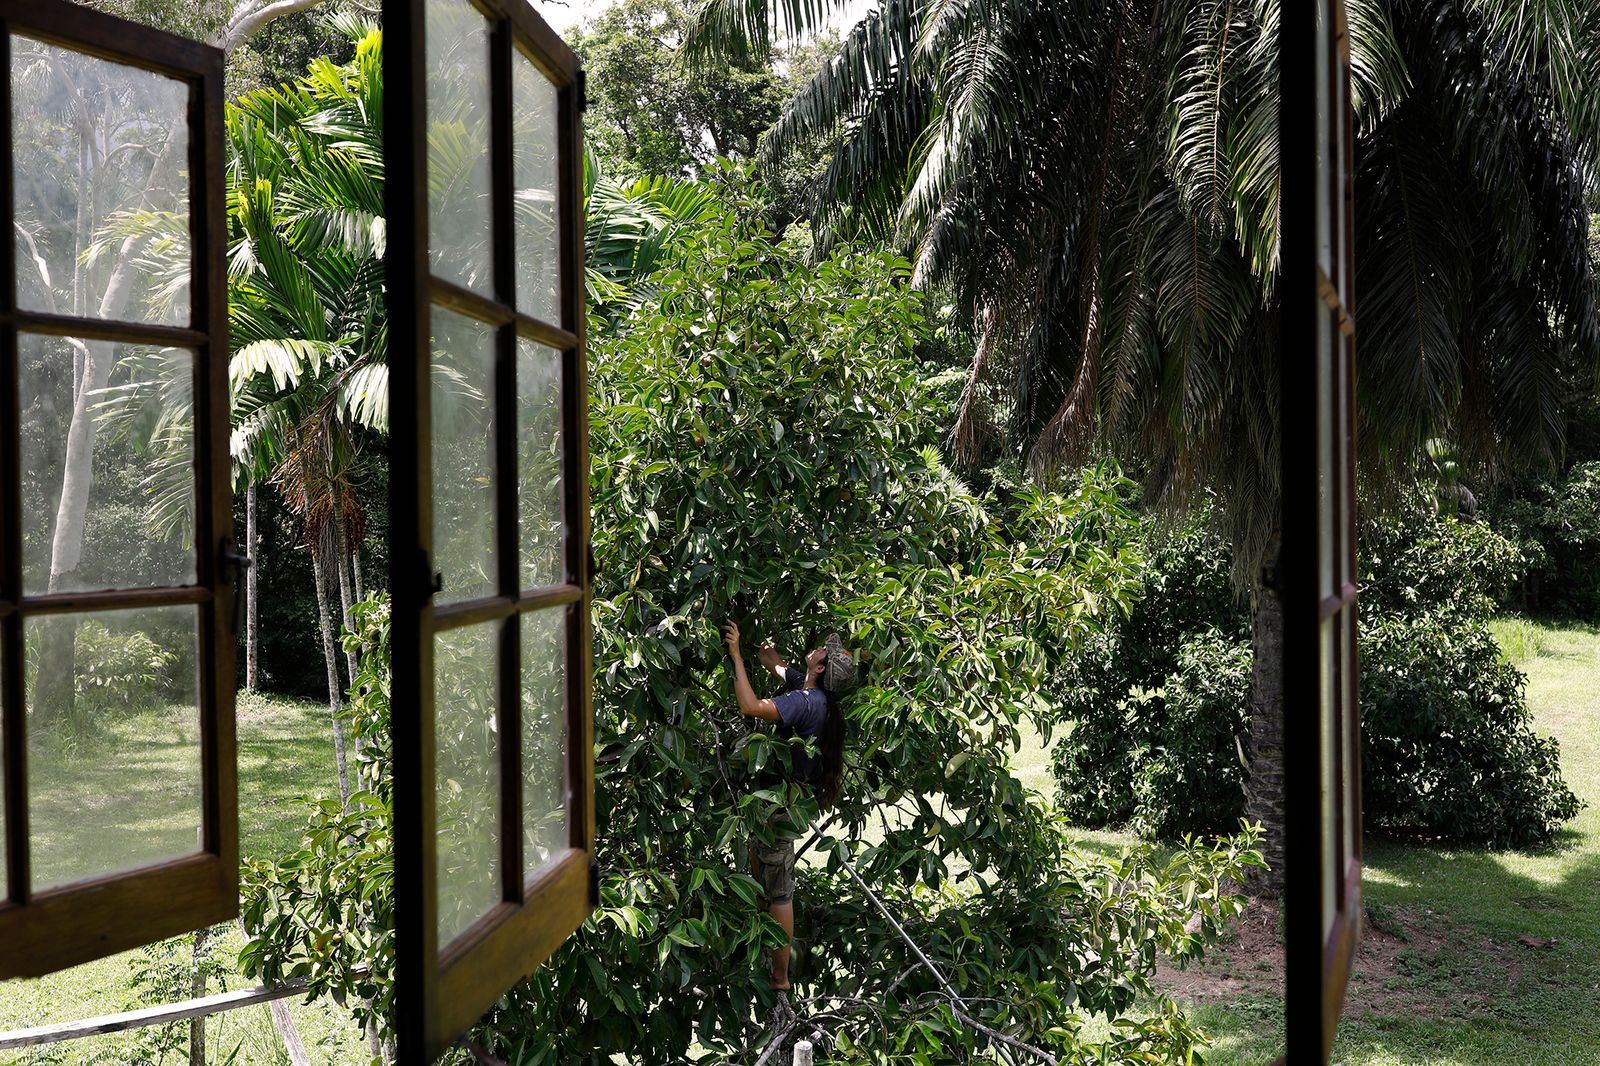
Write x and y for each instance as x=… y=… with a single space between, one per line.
x=116 y=639
x=489 y=506
x=1318 y=572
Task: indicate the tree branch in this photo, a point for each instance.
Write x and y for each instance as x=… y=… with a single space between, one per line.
x=250 y=16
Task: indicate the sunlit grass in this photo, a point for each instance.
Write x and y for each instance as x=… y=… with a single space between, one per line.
x=285 y=750
x=1541 y=1009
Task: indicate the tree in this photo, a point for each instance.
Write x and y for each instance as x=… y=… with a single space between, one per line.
x=649 y=114
x=763 y=450
x=306 y=311
x=1097 y=187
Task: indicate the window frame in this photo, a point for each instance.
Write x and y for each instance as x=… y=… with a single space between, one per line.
x=439 y=997
x=64 y=926
x=1322 y=898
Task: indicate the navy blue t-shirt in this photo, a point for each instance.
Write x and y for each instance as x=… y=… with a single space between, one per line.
x=802 y=712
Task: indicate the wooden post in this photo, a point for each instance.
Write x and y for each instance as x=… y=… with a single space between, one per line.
x=802 y=1053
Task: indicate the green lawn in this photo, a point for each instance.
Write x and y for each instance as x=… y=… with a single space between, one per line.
x=285 y=751
x=1444 y=979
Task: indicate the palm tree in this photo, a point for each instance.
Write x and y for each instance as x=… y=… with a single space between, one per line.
x=306 y=310
x=1096 y=184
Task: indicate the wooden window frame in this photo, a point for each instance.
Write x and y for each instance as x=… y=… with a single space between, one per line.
x=41 y=932
x=438 y=998
x=1322 y=901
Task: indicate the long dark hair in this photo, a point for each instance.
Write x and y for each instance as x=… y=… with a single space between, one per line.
x=830 y=753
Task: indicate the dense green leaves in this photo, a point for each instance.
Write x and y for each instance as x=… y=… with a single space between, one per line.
x=305 y=270
x=763 y=451
x=650 y=115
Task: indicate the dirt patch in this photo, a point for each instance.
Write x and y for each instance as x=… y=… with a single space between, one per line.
x=1410 y=962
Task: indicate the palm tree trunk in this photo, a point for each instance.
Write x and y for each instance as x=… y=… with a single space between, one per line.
x=331 y=658
x=1264 y=788
x=252 y=618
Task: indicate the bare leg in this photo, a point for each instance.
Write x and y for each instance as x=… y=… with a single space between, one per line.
x=783 y=914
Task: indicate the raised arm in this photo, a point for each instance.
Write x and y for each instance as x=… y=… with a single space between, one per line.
x=749 y=703
x=768 y=657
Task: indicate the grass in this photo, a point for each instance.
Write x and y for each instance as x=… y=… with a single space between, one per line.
x=1519 y=638
x=1496 y=1001
x=285 y=751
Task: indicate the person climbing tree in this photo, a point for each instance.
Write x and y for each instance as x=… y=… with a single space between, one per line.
x=808 y=708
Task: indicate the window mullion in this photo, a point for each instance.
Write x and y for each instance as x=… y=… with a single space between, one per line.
x=13 y=723
x=575 y=483
x=507 y=542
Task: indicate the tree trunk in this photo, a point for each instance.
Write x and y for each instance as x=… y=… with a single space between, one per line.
x=252 y=623
x=342 y=550
x=341 y=556
x=197 y=988
x=1264 y=787
x=53 y=693
x=355 y=571
x=331 y=658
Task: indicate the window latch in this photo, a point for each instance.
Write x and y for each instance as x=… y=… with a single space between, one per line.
x=234 y=563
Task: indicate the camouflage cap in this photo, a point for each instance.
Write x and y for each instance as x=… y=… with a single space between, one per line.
x=839 y=666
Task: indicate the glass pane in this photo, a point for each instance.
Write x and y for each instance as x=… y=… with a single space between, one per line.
x=463 y=455
x=100 y=159
x=536 y=162
x=107 y=465
x=544 y=736
x=458 y=144
x=467 y=776
x=114 y=741
x=539 y=464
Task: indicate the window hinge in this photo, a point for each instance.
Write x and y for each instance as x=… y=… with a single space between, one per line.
x=594 y=883
x=583 y=91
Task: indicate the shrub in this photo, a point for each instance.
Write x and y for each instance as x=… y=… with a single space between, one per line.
x=1160 y=703
x=123 y=669
x=1190 y=780
x=1157 y=702
x=1414 y=563
x=1446 y=747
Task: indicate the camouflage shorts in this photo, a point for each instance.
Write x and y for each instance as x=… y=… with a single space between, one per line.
x=773 y=868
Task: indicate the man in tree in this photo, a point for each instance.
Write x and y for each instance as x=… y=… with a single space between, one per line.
x=808 y=708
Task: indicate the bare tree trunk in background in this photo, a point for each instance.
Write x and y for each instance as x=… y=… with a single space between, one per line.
x=197 y=988
x=1264 y=786
x=54 y=690
x=252 y=618
x=318 y=572
x=355 y=571
x=342 y=549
